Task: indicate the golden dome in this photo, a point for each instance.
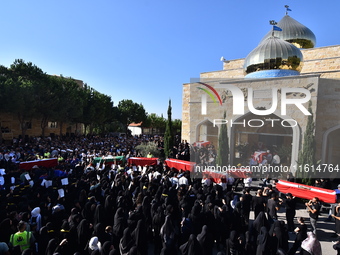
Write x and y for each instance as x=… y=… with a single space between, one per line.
x=273 y=54
x=294 y=32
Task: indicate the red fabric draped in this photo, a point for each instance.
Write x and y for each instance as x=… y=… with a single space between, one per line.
x=142 y=161
x=306 y=192
x=43 y=162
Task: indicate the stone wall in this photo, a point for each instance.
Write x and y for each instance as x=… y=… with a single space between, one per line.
x=327 y=115
x=14 y=131
x=324 y=59
x=193 y=118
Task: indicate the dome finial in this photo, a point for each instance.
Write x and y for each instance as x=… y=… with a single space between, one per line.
x=275 y=28
x=287 y=9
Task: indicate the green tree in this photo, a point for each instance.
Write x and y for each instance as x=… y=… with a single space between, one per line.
x=307 y=155
x=89 y=109
x=168 y=136
x=47 y=105
x=22 y=81
x=151 y=147
x=177 y=126
x=69 y=100
x=155 y=122
x=130 y=112
x=3 y=95
x=223 y=145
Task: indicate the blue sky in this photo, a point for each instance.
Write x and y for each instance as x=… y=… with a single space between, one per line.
x=145 y=50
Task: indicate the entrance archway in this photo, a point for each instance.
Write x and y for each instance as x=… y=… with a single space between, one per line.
x=331 y=146
x=205 y=131
x=262 y=133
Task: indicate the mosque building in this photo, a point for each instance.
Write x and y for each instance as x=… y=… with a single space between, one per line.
x=266 y=98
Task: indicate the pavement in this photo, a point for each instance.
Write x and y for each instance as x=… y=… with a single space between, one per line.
x=325 y=229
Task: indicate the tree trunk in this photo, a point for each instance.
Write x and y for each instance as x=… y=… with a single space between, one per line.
x=61 y=129
x=23 y=126
x=43 y=125
x=85 y=128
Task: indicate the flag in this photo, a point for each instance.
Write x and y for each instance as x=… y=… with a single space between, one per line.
x=276 y=28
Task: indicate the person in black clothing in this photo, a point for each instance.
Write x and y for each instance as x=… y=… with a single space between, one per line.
x=301 y=234
x=290 y=211
x=206 y=240
x=262 y=242
x=191 y=247
x=246 y=204
x=272 y=208
x=278 y=237
x=233 y=244
x=258 y=223
x=336 y=246
x=313 y=207
x=258 y=203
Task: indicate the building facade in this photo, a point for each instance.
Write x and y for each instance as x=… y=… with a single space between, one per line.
x=243 y=94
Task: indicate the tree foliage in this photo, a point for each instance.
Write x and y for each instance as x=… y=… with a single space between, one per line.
x=28 y=93
x=151 y=147
x=22 y=81
x=307 y=154
x=130 y=112
x=223 y=146
x=168 y=136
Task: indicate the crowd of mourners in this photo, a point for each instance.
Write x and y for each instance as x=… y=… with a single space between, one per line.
x=125 y=210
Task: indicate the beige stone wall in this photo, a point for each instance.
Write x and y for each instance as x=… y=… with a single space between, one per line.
x=8 y=120
x=214 y=111
x=324 y=59
x=192 y=99
x=320 y=74
x=328 y=105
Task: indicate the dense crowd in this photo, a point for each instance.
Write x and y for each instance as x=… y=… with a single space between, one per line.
x=126 y=210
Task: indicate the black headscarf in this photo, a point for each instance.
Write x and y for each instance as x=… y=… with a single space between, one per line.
x=126 y=241
x=109 y=209
x=43 y=240
x=114 y=252
x=192 y=247
x=106 y=248
x=28 y=251
x=167 y=230
x=232 y=243
x=84 y=233
x=196 y=217
x=120 y=223
x=65 y=230
x=206 y=240
x=135 y=216
x=133 y=251
x=6 y=230
x=99 y=231
x=51 y=246
x=259 y=222
x=279 y=236
x=99 y=215
x=139 y=235
x=262 y=240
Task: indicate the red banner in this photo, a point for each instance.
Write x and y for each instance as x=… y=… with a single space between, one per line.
x=216 y=176
x=306 y=192
x=180 y=164
x=43 y=162
x=142 y=161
